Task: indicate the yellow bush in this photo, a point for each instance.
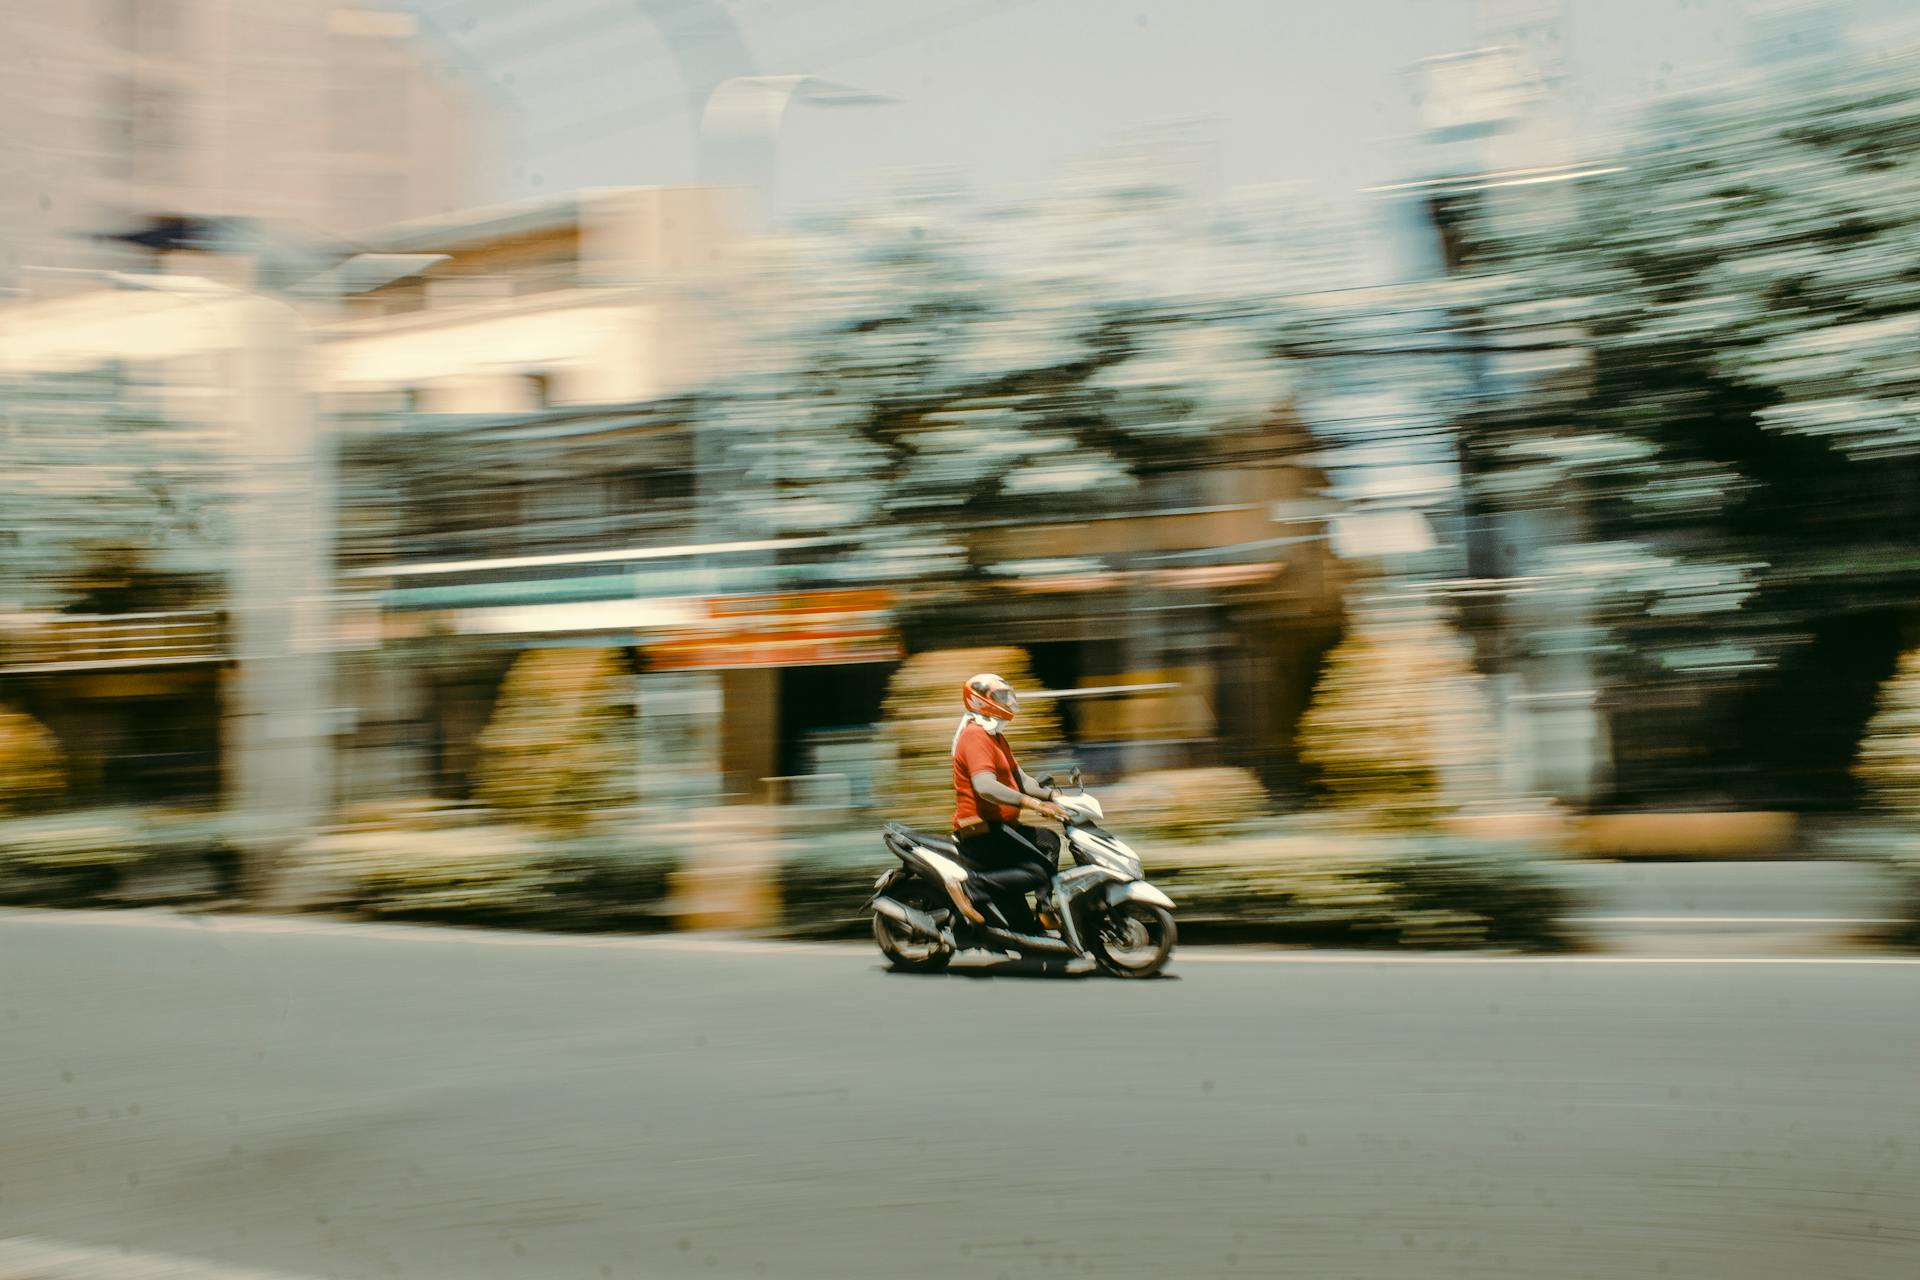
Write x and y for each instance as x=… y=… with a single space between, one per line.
x=1889 y=761
x=471 y=869
x=32 y=768
x=922 y=710
x=1399 y=730
x=1185 y=804
x=560 y=747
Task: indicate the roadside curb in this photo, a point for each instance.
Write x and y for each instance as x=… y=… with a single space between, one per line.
x=747 y=944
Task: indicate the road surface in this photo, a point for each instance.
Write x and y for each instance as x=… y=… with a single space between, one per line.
x=346 y=1102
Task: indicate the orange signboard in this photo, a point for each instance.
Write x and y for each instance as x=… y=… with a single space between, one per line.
x=807 y=629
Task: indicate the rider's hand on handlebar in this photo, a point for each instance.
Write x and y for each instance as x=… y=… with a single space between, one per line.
x=1051 y=810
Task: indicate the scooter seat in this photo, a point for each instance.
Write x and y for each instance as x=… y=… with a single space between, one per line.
x=942 y=845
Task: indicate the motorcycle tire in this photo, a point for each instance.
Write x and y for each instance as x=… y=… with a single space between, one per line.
x=903 y=950
x=1157 y=922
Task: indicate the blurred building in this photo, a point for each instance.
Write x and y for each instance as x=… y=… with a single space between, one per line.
x=321 y=115
x=523 y=465
x=504 y=452
x=164 y=576
x=520 y=469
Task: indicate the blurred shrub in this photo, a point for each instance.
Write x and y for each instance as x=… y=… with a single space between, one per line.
x=1399 y=731
x=1339 y=888
x=419 y=813
x=560 y=747
x=69 y=859
x=32 y=768
x=1889 y=761
x=1401 y=891
x=1900 y=850
x=431 y=873
x=823 y=883
x=1185 y=804
x=1888 y=767
x=922 y=710
x=472 y=873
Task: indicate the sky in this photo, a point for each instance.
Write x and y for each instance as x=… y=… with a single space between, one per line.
x=1007 y=92
x=1314 y=94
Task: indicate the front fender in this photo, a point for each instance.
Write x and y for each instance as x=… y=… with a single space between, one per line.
x=1136 y=891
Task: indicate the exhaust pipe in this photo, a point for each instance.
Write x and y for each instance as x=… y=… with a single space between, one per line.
x=1026 y=945
x=912 y=918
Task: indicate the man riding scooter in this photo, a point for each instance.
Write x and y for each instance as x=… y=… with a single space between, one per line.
x=1008 y=859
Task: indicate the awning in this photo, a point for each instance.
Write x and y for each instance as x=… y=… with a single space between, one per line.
x=586 y=615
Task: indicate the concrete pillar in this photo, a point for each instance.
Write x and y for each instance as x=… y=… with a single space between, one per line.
x=278 y=736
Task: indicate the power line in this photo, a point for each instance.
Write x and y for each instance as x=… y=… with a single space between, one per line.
x=627 y=58
x=561 y=138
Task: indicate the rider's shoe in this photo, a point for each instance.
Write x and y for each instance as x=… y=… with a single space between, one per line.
x=960 y=889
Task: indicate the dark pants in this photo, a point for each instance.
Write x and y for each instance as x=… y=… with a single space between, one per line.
x=1010 y=861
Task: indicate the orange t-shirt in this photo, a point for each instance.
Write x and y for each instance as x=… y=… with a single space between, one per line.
x=977 y=750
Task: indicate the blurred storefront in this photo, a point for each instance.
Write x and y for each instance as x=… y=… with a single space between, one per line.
x=513 y=461
x=521 y=472
x=165 y=580
x=523 y=467
x=1216 y=597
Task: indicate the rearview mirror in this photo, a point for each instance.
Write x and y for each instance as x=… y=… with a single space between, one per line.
x=1046 y=783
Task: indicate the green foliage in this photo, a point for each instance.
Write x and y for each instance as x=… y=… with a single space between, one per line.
x=1399 y=730
x=97 y=472
x=823 y=883
x=116 y=856
x=1331 y=887
x=64 y=860
x=921 y=712
x=1732 y=431
x=927 y=364
x=32 y=766
x=560 y=748
x=1185 y=804
x=1357 y=890
x=1889 y=762
x=451 y=868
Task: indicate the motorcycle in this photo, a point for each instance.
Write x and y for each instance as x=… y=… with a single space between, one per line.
x=1101 y=907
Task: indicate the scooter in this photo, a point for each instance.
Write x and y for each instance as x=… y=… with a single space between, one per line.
x=1101 y=907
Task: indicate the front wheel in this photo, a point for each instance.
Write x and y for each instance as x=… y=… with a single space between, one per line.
x=1134 y=940
x=906 y=951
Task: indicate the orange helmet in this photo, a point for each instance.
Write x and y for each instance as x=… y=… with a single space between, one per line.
x=990 y=696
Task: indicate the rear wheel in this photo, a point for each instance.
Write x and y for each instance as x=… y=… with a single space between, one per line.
x=904 y=949
x=1133 y=940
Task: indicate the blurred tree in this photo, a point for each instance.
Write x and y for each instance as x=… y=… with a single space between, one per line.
x=1399 y=731
x=560 y=748
x=1738 y=433
x=1889 y=763
x=111 y=504
x=927 y=364
x=922 y=711
x=32 y=771
x=1187 y=805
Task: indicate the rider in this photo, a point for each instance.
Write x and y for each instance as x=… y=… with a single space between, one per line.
x=989 y=788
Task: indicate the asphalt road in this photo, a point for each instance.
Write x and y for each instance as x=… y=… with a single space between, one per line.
x=1808 y=907
x=365 y=1104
